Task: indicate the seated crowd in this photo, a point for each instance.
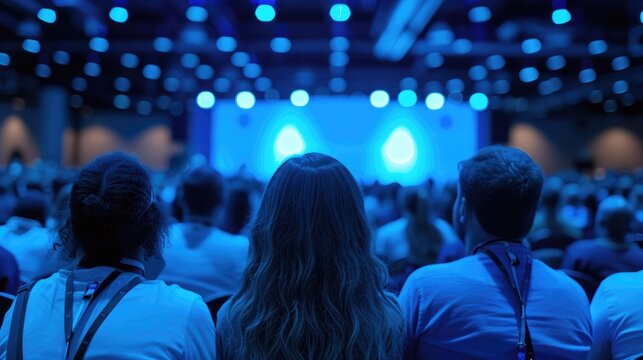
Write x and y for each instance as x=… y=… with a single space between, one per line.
x=116 y=262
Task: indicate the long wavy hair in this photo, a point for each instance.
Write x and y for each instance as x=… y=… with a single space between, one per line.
x=313 y=289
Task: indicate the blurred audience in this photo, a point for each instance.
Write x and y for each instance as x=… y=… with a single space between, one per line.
x=9 y=273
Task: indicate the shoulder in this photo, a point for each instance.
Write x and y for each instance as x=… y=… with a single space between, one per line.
x=171 y=296
x=625 y=281
x=442 y=274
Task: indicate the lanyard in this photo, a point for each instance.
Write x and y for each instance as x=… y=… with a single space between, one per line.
x=525 y=345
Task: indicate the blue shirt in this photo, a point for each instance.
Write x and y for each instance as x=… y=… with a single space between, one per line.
x=466 y=309
x=601 y=258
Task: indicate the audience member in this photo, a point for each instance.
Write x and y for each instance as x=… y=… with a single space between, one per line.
x=237 y=210
x=201 y=257
x=114 y=222
x=313 y=288
x=610 y=252
x=9 y=273
x=498 y=302
x=618 y=318
x=548 y=223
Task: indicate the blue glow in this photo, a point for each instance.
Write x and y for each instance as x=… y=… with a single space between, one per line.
x=620 y=63
x=477 y=72
x=280 y=45
x=408 y=83
x=641 y=17
x=252 y=71
x=531 y=46
x=556 y=62
x=587 y=75
x=43 y=70
x=122 y=101
x=79 y=84
x=620 y=87
x=462 y=46
x=144 y=107
x=289 y=142
x=204 y=72
x=340 y=12
x=479 y=101
x=495 y=62
x=610 y=106
x=240 y=59
x=5 y=59
x=339 y=43
x=479 y=14
x=434 y=60
x=595 y=96
x=338 y=59
x=226 y=44
x=47 y=15
x=190 y=60
x=152 y=71
x=561 y=16
x=501 y=87
x=597 y=47
x=32 y=46
x=129 y=60
x=162 y=44
x=245 y=100
x=171 y=84
x=196 y=14
x=337 y=84
x=456 y=85
x=379 y=98
x=299 y=98
x=205 y=100
x=222 y=85
x=99 y=44
x=122 y=84
x=400 y=150
x=118 y=14
x=265 y=13
x=528 y=74
x=61 y=57
x=434 y=101
x=263 y=84
x=407 y=98
x=92 y=69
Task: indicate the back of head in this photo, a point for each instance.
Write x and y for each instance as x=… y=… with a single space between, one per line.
x=237 y=210
x=32 y=205
x=112 y=211
x=313 y=289
x=614 y=217
x=202 y=190
x=502 y=185
x=423 y=236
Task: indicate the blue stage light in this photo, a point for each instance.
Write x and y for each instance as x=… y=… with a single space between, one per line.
x=32 y=46
x=47 y=15
x=456 y=85
x=595 y=96
x=379 y=98
x=288 y=142
x=122 y=84
x=299 y=98
x=144 y=107
x=462 y=46
x=122 y=101
x=337 y=84
x=222 y=85
x=561 y=16
x=99 y=44
x=129 y=60
x=340 y=12
x=641 y=17
x=190 y=60
x=597 y=47
x=338 y=59
x=240 y=59
x=407 y=98
x=265 y=13
x=620 y=63
x=61 y=57
x=152 y=71
x=43 y=70
x=92 y=69
x=620 y=87
x=5 y=59
x=479 y=101
x=162 y=44
x=528 y=74
x=408 y=83
x=477 y=72
x=495 y=62
x=79 y=84
x=531 y=46
x=263 y=84
x=280 y=45
x=434 y=60
x=226 y=44
x=245 y=100
x=501 y=87
x=118 y=14
x=434 y=101
x=400 y=150
x=587 y=75
x=479 y=14
x=204 y=72
x=171 y=84
x=556 y=62
x=339 y=43
x=196 y=14
x=205 y=100
x=252 y=71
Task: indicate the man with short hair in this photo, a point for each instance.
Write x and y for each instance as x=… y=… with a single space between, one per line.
x=200 y=257
x=498 y=302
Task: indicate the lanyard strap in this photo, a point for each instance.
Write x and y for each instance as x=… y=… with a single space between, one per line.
x=525 y=344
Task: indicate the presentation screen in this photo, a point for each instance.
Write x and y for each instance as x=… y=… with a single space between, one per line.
x=390 y=144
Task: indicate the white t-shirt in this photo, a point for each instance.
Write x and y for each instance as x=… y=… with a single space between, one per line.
x=205 y=260
x=617 y=314
x=152 y=321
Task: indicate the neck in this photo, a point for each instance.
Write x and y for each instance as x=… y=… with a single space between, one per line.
x=473 y=241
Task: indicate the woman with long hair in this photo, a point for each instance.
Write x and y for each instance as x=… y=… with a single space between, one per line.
x=312 y=289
